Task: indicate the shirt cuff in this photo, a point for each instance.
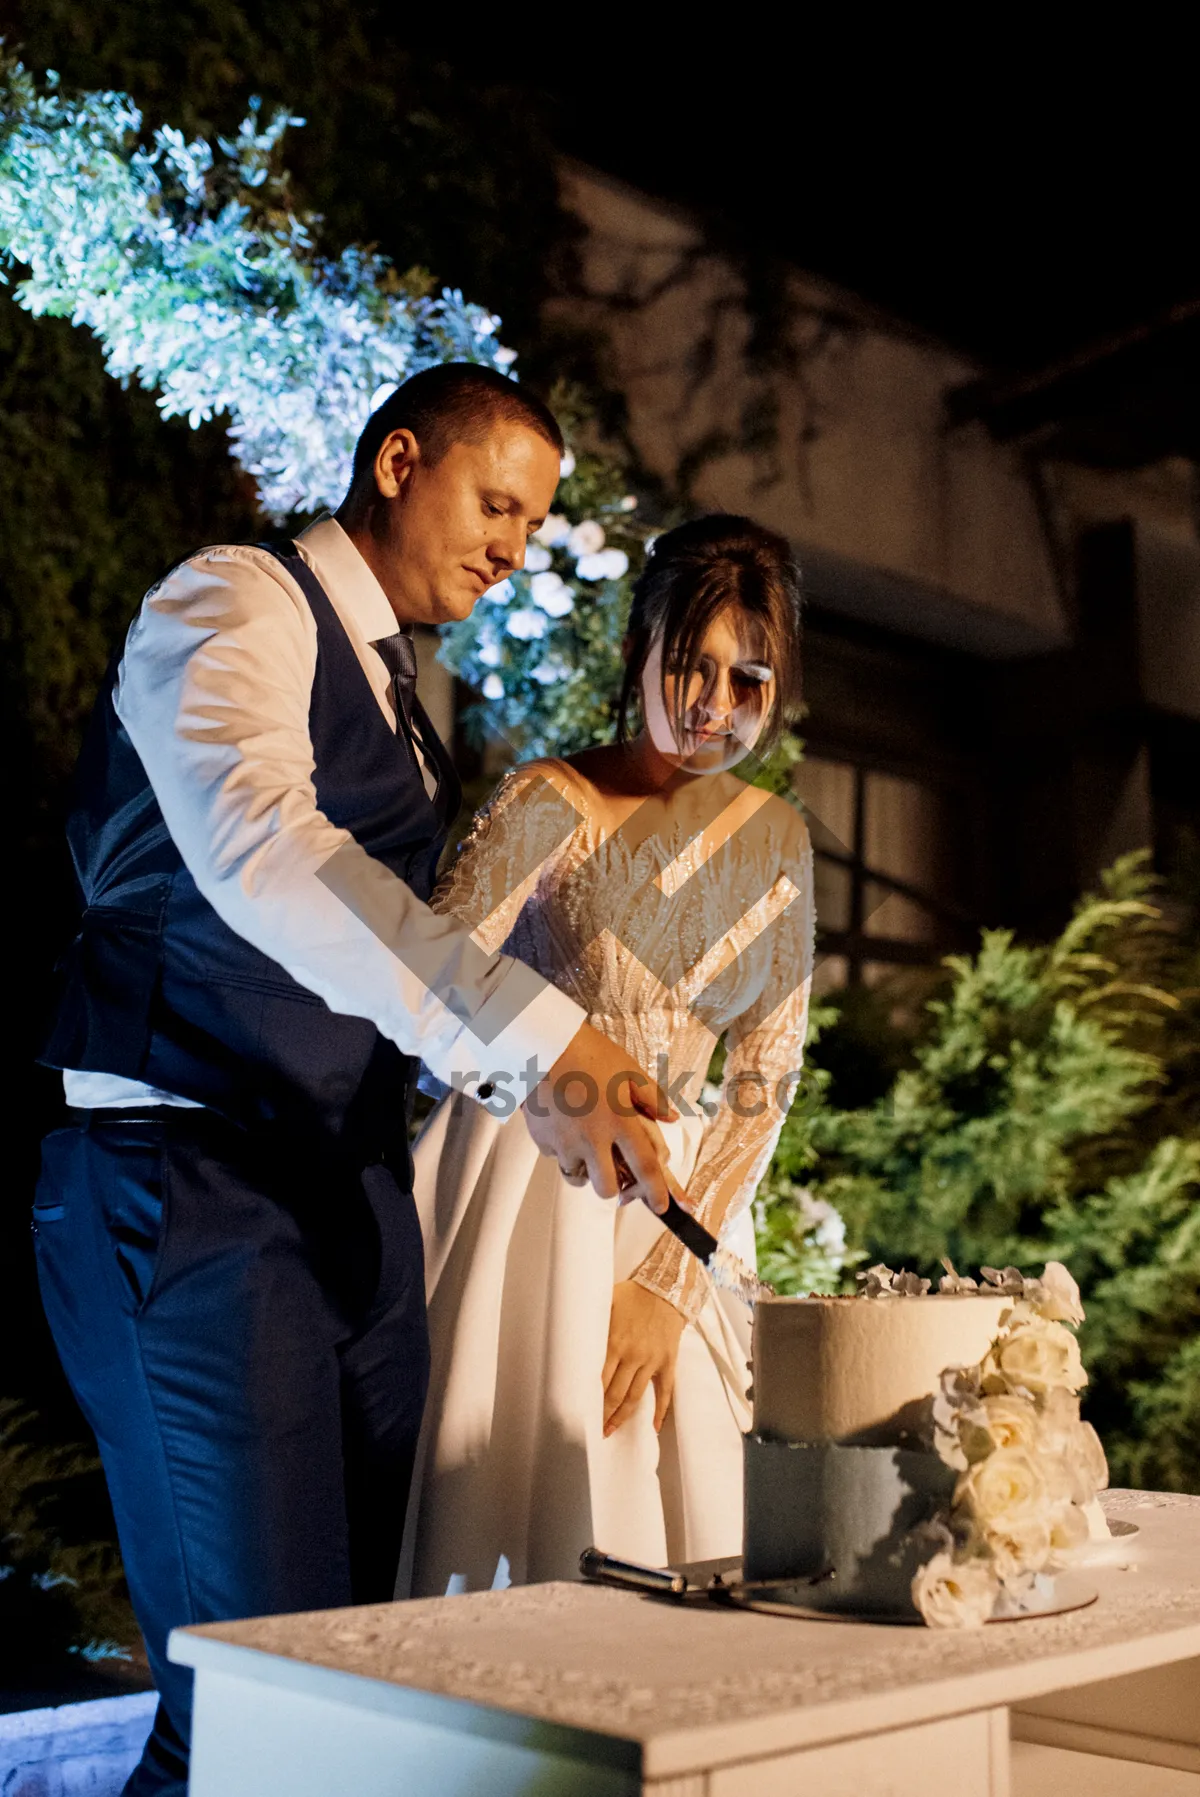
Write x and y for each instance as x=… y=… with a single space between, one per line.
x=512 y=1041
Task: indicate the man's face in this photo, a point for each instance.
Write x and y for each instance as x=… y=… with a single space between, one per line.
x=448 y=532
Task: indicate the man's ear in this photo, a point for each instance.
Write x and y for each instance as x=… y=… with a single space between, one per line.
x=398 y=455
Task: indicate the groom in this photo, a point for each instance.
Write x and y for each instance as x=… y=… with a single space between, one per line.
x=227 y=1245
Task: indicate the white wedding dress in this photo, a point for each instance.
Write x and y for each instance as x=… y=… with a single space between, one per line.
x=667 y=946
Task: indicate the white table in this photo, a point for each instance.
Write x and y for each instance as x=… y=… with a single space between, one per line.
x=597 y=1693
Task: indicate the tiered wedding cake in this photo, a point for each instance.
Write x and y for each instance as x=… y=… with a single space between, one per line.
x=918 y=1454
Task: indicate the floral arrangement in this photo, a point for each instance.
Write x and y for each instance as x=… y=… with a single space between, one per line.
x=189 y=263
x=1029 y=1467
x=200 y=279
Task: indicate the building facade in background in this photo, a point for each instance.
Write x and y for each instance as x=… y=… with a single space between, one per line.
x=1002 y=645
x=1002 y=640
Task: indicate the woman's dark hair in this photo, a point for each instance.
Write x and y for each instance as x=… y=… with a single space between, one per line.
x=692 y=575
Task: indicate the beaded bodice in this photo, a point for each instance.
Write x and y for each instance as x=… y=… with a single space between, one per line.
x=668 y=941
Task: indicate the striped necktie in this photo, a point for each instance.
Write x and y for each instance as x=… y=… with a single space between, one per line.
x=399 y=656
x=400 y=659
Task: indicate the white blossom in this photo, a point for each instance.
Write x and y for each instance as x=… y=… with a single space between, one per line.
x=1006 y=1498
x=551 y=592
x=1055 y=1295
x=566 y=467
x=1034 y=1356
x=608 y=564
x=537 y=558
x=955 y=1594
x=489 y=654
x=493 y=687
x=525 y=624
x=823 y=1222
x=184 y=261
x=554 y=532
x=586 y=538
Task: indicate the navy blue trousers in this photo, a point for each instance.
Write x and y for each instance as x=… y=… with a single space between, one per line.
x=245 y=1332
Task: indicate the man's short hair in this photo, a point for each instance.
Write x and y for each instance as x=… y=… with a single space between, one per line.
x=456 y=402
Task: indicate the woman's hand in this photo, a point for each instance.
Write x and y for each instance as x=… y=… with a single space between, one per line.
x=643 y=1345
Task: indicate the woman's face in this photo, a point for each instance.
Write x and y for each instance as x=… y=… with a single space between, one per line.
x=726 y=700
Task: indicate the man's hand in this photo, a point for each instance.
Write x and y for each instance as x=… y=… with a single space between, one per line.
x=616 y=1105
x=643 y=1345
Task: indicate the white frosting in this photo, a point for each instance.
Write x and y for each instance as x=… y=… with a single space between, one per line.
x=862 y=1370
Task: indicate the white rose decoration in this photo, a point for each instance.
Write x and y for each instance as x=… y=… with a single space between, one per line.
x=1036 y=1357
x=489 y=654
x=1072 y=1457
x=554 y=531
x=586 y=538
x=1006 y=1499
x=537 y=557
x=1068 y=1530
x=1020 y=1546
x=493 y=687
x=1006 y=1420
x=954 y=1594
x=1056 y=1295
x=1093 y=1458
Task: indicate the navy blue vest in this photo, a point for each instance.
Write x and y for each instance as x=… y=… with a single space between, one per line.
x=158 y=988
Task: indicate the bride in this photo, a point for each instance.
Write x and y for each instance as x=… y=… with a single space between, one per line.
x=588 y=1382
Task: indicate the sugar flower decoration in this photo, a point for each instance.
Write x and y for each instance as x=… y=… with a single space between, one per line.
x=1029 y=1467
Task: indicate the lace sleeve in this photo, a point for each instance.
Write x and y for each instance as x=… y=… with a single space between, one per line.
x=765 y=1049
x=514 y=838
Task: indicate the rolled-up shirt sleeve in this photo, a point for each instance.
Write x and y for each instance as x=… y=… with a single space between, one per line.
x=214 y=691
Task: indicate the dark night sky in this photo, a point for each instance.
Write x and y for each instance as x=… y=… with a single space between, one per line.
x=1015 y=204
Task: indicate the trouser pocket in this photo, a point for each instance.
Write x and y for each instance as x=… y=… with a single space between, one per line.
x=99 y=1213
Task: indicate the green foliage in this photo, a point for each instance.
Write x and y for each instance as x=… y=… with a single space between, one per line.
x=58 y=1598
x=1029 y=1064
x=1035 y=1122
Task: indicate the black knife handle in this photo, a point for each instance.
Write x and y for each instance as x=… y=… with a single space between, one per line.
x=686 y=1229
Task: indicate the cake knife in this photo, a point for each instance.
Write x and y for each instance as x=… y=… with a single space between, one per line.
x=728 y=1270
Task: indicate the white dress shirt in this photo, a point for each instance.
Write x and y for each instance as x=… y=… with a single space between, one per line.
x=214 y=690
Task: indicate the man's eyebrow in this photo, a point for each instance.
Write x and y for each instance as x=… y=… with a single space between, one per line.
x=511 y=503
